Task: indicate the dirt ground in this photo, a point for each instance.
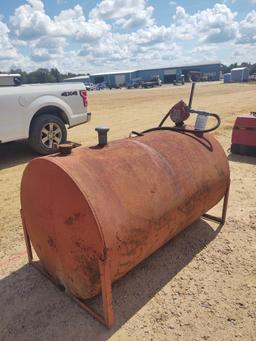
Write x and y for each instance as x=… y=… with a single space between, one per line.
x=199 y=286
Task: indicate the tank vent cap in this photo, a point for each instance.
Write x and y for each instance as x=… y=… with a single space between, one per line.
x=65 y=148
x=102 y=135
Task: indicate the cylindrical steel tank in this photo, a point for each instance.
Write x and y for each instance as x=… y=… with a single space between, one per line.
x=123 y=201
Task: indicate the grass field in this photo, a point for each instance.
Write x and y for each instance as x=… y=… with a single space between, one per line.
x=200 y=286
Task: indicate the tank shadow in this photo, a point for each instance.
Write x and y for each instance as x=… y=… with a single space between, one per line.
x=17 y=153
x=33 y=308
x=242 y=159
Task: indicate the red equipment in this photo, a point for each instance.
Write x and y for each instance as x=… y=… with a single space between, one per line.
x=244 y=135
x=179 y=112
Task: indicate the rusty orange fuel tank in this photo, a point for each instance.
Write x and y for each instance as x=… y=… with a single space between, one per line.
x=123 y=201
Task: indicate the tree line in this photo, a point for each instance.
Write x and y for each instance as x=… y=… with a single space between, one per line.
x=54 y=76
x=43 y=75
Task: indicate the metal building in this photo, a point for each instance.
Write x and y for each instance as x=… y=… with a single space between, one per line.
x=204 y=72
x=83 y=79
x=196 y=72
x=240 y=74
x=113 y=79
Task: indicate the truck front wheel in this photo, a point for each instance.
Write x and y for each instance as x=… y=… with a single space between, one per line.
x=46 y=133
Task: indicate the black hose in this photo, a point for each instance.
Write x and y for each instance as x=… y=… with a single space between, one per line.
x=185 y=129
x=214 y=127
x=164 y=119
x=135 y=133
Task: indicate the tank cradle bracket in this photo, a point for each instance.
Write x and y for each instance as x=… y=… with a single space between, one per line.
x=106 y=286
x=221 y=219
x=108 y=316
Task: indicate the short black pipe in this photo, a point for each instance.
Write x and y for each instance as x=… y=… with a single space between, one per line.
x=102 y=135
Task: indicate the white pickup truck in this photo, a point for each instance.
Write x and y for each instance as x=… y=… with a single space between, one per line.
x=40 y=112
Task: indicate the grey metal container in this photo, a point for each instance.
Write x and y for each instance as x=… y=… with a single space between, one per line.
x=240 y=74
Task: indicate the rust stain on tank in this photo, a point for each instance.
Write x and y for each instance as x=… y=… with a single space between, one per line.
x=51 y=243
x=129 y=198
x=71 y=219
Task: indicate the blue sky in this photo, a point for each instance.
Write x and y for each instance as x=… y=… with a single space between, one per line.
x=89 y=36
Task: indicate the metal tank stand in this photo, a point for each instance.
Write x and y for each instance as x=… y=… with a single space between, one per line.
x=106 y=289
x=221 y=219
x=106 y=286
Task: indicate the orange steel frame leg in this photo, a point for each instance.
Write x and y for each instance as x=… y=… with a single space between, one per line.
x=221 y=219
x=106 y=286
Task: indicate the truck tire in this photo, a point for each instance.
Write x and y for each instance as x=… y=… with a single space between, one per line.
x=46 y=132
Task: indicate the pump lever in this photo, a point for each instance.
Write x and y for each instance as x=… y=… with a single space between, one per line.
x=191 y=95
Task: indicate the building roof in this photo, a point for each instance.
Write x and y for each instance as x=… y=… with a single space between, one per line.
x=156 y=68
x=180 y=66
x=77 y=78
x=112 y=73
x=240 y=68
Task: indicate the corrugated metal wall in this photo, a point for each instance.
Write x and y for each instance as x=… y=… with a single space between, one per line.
x=240 y=75
x=167 y=75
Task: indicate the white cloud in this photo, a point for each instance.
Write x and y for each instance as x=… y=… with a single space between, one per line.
x=243 y=53
x=40 y=55
x=207 y=53
x=47 y=48
x=213 y=25
x=48 y=37
x=125 y=13
x=227 y=1
x=180 y=15
x=51 y=43
x=72 y=23
x=7 y=50
x=248 y=29
x=30 y=21
x=152 y=35
x=145 y=47
x=9 y=54
x=121 y=33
